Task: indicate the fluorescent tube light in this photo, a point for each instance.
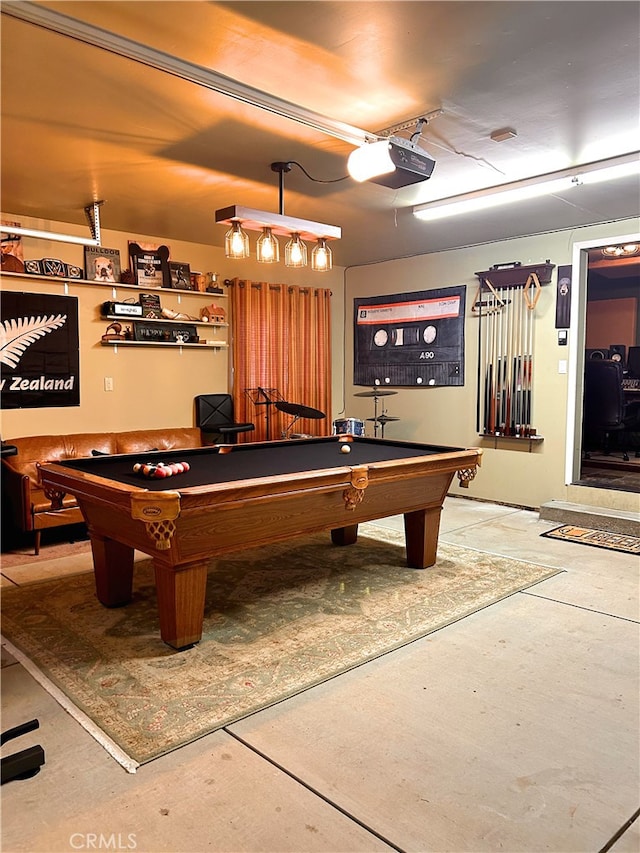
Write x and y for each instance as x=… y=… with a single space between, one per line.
x=48 y=235
x=592 y=173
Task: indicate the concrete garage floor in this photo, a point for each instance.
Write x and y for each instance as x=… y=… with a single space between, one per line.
x=515 y=729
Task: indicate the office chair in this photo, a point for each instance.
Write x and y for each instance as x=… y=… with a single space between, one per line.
x=633 y=362
x=215 y=417
x=606 y=417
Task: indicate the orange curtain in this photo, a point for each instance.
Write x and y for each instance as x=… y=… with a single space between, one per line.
x=281 y=338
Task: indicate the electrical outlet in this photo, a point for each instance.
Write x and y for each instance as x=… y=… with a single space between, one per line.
x=108 y=383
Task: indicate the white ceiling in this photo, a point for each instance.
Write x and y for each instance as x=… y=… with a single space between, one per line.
x=80 y=123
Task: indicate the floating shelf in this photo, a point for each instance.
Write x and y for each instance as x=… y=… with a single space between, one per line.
x=123 y=320
x=519 y=439
x=114 y=285
x=125 y=343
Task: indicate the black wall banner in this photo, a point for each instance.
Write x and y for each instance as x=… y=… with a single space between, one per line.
x=410 y=338
x=39 y=351
x=563 y=298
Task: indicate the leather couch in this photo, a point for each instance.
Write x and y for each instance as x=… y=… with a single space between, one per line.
x=29 y=506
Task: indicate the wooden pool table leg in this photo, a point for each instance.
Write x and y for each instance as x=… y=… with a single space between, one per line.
x=181 y=593
x=345 y=535
x=421 y=530
x=113 y=570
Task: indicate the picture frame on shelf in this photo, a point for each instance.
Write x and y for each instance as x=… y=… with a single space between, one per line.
x=102 y=264
x=151 y=307
x=180 y=276
x=150 y=266
x=12 y=256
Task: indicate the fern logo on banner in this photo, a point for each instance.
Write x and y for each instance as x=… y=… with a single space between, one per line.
x=17 y=335
x=39 y=353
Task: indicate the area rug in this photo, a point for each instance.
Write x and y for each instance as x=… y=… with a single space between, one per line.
x=597 y=538
x=278 y=620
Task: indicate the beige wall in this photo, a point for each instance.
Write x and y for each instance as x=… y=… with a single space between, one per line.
x=510 y=473
x=153 y=386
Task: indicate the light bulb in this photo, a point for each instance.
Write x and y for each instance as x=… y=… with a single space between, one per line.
x=236 y=242
x=268 y=249
x=321 y=257
x=295 y=252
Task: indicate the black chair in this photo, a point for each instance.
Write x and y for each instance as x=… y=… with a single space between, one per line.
x=607 y=421
x=215 y=417
x=633 y=362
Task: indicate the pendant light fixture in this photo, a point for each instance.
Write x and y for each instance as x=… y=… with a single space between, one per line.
x=236 y=242
x=243 y=219
x=625 y=251
x=321 y=257
x=295 y=252
x=267 y=247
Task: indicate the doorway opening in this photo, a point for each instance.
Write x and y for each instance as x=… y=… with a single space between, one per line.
x=612 y=335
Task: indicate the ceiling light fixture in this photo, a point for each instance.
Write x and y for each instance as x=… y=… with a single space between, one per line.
x=243 y=219
x=394 y=162
x=321 y=257
x=236 y=242
x=592 y=173
x=295 y=252
x=625 y=251
x=92 y=212
x=267 y=247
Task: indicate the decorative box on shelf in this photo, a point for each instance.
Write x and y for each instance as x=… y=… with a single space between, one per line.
x=175 y=333
x=213 y=314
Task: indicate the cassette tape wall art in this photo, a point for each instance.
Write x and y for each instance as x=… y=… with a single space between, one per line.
x=410 y=338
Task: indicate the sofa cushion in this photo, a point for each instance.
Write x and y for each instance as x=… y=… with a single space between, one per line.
x=53 y=448
x=145 y=440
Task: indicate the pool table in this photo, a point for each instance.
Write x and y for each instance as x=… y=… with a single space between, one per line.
x=246 y=495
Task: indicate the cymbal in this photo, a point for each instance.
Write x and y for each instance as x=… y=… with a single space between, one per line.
x=300 y=411
x=377 y=392
x=383 y=419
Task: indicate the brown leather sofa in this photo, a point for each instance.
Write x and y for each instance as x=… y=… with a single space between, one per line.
x=31 y=509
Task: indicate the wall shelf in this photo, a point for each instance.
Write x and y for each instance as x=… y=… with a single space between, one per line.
x=83 y=282
x=120 y=319
x=125 y=343
x=115 y=286
x=531 y=440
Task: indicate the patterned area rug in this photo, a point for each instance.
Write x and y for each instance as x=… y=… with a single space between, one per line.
x=597 y=538
x=278 y=620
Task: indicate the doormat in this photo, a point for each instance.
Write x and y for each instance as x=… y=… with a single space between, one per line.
x=597 y=538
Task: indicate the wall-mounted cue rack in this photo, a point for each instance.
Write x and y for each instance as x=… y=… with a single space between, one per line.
x=505 y=305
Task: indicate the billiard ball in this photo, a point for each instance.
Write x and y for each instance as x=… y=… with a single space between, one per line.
x=186 y=465
x=345 y=449
x=137 y=467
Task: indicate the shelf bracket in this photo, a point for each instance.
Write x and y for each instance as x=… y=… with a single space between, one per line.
x=92 y=212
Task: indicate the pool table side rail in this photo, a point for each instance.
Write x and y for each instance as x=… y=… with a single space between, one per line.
x=59 y=478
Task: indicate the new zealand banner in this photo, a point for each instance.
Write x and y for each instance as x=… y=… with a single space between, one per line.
x=39 y=351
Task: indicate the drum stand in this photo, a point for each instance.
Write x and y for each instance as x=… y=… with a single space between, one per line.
x=376 y=393
x=382 y=420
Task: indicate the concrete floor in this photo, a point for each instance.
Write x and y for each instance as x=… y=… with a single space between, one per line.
x=514 y=729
